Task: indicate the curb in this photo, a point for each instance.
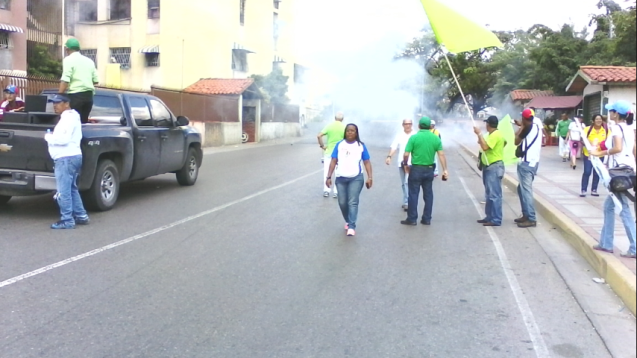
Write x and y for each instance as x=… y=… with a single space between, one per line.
x=616 y=274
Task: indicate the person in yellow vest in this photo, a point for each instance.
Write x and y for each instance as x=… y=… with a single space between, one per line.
x=597 y=133
x=436 y=132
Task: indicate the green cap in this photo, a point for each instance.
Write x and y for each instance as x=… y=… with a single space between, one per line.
x=425 y=122
x=72 y=44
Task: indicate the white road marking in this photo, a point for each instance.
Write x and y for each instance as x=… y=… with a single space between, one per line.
x=148 y=233
x=541 y=350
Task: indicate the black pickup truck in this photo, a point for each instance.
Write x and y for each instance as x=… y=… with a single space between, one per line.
x=129 y=136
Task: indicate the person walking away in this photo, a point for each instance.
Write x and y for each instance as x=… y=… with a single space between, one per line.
x=561 y=131
x=596 y=134
x=574 y=138
x=11 y=103
x=64 y=148
x=436 y=132
x=423 y=147
x=622 y=154
x=79 y=77
x=492 y=170
x=346 y=159
x=528 y=140
x=399 y=144
x=334 y=132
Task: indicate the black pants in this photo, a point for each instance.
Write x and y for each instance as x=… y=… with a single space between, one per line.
x=82 y=102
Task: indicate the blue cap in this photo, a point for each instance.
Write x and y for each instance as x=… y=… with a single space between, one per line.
x=11 y=89
x=58 y=98
x=621 y=107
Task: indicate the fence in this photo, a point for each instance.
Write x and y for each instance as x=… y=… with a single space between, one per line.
x=201 y=108
x=31 y=85
x=286 y=113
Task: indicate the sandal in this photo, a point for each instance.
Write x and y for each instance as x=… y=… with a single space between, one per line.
x=599 y=248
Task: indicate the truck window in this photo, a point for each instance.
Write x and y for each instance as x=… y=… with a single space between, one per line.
x=140 y=111
x=161 y=114
x=106 y=109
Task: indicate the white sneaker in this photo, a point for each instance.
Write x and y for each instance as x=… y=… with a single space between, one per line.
x=335 y=195
x=351 y=232
x=326 y=194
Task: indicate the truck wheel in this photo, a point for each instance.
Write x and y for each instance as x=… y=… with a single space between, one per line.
x=105 y=188
x=188 y=174
x=4 y=199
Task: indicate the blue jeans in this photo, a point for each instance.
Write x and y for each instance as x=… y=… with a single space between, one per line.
x=349 y=191
x=66 y=171
x=420 y=176
x=526 y=175
x=588 y=168
x=492 y=179
x=608 y=231
x=403 y=184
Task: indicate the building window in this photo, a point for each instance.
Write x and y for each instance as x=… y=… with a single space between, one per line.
x=277 y=3
x=275 y=31
x=5 y=41
x=87 y=10
x=90 y=53
x=120 y=9
x=153 y=9
x=242 y=11
x=5 y=4
x=120 y=55
x=152 y=59
x=240 y=60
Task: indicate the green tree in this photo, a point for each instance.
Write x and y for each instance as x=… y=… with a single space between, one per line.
x=274 y=86
x=41 y=63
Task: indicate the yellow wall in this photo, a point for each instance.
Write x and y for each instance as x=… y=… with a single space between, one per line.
x=196 y=38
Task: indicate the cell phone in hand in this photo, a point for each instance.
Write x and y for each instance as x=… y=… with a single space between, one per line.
x=367 y=185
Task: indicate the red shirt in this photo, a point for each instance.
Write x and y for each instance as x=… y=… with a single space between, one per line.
x=10 y=106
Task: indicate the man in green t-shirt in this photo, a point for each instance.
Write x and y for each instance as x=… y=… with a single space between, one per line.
x=492 y=153
x=79 y=77
x=561 y=130
x=335 y=133
x=423 y=147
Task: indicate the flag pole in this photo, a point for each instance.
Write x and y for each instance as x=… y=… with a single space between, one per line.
x=473 y=122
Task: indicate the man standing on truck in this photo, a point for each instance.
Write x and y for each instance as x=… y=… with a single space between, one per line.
x=79 y=77
x=64 y=148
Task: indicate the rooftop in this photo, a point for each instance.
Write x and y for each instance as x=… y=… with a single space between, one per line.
x=527 y=94
x=220 y=86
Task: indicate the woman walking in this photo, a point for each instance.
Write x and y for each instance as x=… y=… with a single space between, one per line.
x=622 y=154
x=561 y=130
x=348 y=154
x=574 y=138
x=596 y=134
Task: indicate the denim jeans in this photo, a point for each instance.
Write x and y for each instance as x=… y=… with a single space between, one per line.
x=526 y=175
x=492 y=179
x=588 y=168
x=420 y=176
x=66 y=171
x=349 y=190
x=403 y=184
x=608 y=230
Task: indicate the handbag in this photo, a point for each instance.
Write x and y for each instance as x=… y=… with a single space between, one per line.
x=480 y=165
x=622 y=179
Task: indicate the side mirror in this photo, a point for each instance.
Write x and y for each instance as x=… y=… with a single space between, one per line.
x=122 y=121
x=182 y=121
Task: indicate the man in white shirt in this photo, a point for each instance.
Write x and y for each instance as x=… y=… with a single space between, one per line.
x=399 y=143
x=64 y=148
x=529 y=139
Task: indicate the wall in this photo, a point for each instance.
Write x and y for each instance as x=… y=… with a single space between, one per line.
x=622 y=93
x=592 y=89
x=277 y=130
x=16 y=57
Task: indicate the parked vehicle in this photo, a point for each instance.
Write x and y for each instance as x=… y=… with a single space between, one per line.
x=130 y=136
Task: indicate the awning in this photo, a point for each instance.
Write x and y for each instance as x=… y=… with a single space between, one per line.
x=239 y=47
x=10 y=28
x=278 y=59
x=149 y=49
x=555 y=102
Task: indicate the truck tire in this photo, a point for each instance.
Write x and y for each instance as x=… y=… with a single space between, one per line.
x=188 y=174
x=104 y=191
x=4 y=199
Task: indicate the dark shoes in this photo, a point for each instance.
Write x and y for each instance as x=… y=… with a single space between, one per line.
x=599 y=248
x=425 y=222
x=61 y=225
x=527 y=223
x=490 y=224
x=82 y=221
x=482 y=221
x=521 y=219
x=407 y=222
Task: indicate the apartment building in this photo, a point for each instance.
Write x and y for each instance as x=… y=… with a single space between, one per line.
x=174 y=43
x=13 y=41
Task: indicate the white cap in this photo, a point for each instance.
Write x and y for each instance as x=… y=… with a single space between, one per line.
x=433 y=123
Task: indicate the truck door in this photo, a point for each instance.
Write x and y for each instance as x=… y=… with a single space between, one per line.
x=147 y=139
x=173 y=141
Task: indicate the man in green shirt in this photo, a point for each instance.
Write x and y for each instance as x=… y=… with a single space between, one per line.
x=492 y=153
x=561 y=130
x=79 y=77
x=335 y=133
x=423 y=147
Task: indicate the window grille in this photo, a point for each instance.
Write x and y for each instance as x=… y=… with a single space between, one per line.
x=5 y=41
x=153 y=9
x=152 y=60
x=120 y=55
x=240 y=60
x=5 y=4
x=277 y=3
x=242 y=11
x=90 y=53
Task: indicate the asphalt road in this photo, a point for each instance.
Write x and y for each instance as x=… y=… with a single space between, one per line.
x=252 y=261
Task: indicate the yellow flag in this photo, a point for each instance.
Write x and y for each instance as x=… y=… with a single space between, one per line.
x=456 y=32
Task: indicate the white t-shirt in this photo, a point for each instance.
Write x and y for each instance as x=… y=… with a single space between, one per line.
x=350 y=157
x=625 y=157
x=66 y=137
x=399 y=143
x=575 y=129
x=533 y=152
